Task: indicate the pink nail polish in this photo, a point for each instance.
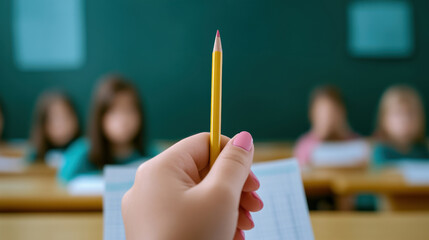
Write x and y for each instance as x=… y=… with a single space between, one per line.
x=243 y=140
x=255 y=195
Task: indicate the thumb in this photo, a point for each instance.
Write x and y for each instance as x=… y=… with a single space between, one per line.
x=232 y=167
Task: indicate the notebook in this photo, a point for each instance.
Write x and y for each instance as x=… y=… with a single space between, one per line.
x=343 y=154
x=86 y=185
x=12 y=164
x=285 y=215
x=117 y=180
x=415 y=172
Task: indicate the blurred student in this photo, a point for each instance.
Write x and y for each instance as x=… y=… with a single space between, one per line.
x=400 y=127
x=115 y=130
x=327 y=113
x=55 y=127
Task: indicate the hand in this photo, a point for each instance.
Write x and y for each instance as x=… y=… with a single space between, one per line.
x=176 y=196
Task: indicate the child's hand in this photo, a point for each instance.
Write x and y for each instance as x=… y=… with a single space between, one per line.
x=175 y=196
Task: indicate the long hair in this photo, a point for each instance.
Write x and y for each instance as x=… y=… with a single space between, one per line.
x=334 y=95
x=39 y=136
x=108 y=88
x=405 y=95
x=330 y=92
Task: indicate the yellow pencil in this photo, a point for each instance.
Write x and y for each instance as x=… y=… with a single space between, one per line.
x=216 y=103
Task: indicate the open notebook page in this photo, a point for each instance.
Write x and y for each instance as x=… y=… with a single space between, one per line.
x=285 y=213
x=118 y=179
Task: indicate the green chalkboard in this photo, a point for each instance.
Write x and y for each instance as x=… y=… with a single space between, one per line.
x=275 y=52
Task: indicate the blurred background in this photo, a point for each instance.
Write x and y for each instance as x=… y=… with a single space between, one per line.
x=341 y=85
x=274 y=53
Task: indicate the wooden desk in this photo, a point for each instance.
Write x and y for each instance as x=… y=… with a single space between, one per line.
x=42 y=193
x=66 y=226
x=389 y=181
x=326 y=226
x=367 y=226
x=35 y=169
x=38 y=190
x=399 y=195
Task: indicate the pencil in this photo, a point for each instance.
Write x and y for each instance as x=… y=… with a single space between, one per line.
x=216 y=100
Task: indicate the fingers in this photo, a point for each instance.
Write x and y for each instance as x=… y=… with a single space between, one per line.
x=245 y=221
x=251 y=184
x=250 y=201
x=239 y=235
x=196 y=147
x=232 y=167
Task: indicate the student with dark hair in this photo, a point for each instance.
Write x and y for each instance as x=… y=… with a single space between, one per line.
x=328 y=118
x=55 y=126
x=115 y=131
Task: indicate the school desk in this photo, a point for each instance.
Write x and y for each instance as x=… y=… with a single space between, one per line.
x=326 y=226
x=398 y=194
x=35 y=169
x=41 y=193
x=38 y=190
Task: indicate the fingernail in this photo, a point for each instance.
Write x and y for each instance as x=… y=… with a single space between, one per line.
x=243 y=140
x=255 y=195
x=242 y=234
x=253 y=176
x=249 y=216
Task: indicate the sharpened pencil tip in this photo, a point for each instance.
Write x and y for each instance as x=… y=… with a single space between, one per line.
x=217 y=33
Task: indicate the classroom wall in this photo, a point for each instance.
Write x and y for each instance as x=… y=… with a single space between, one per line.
x=274 y=53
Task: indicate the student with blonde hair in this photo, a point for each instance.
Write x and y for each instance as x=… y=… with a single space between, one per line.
x=400 y=127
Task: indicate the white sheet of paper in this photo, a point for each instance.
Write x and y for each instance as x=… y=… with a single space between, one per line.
x=12 y=164
x=343 y=154
x=118 y=180
x=86 y=185
x=415 y=172
x=285 y=215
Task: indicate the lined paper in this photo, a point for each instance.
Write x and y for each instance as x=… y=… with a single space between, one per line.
x=285 y=214
x=118 y=179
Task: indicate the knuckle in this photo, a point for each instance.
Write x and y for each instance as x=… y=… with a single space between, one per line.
x=237 y=156
x=142 y=169
x=222 y=192
x=125 y=201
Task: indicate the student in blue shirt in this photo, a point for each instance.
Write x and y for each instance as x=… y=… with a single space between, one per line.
x=401 y=128
x=55 y=127
x=115 y=133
